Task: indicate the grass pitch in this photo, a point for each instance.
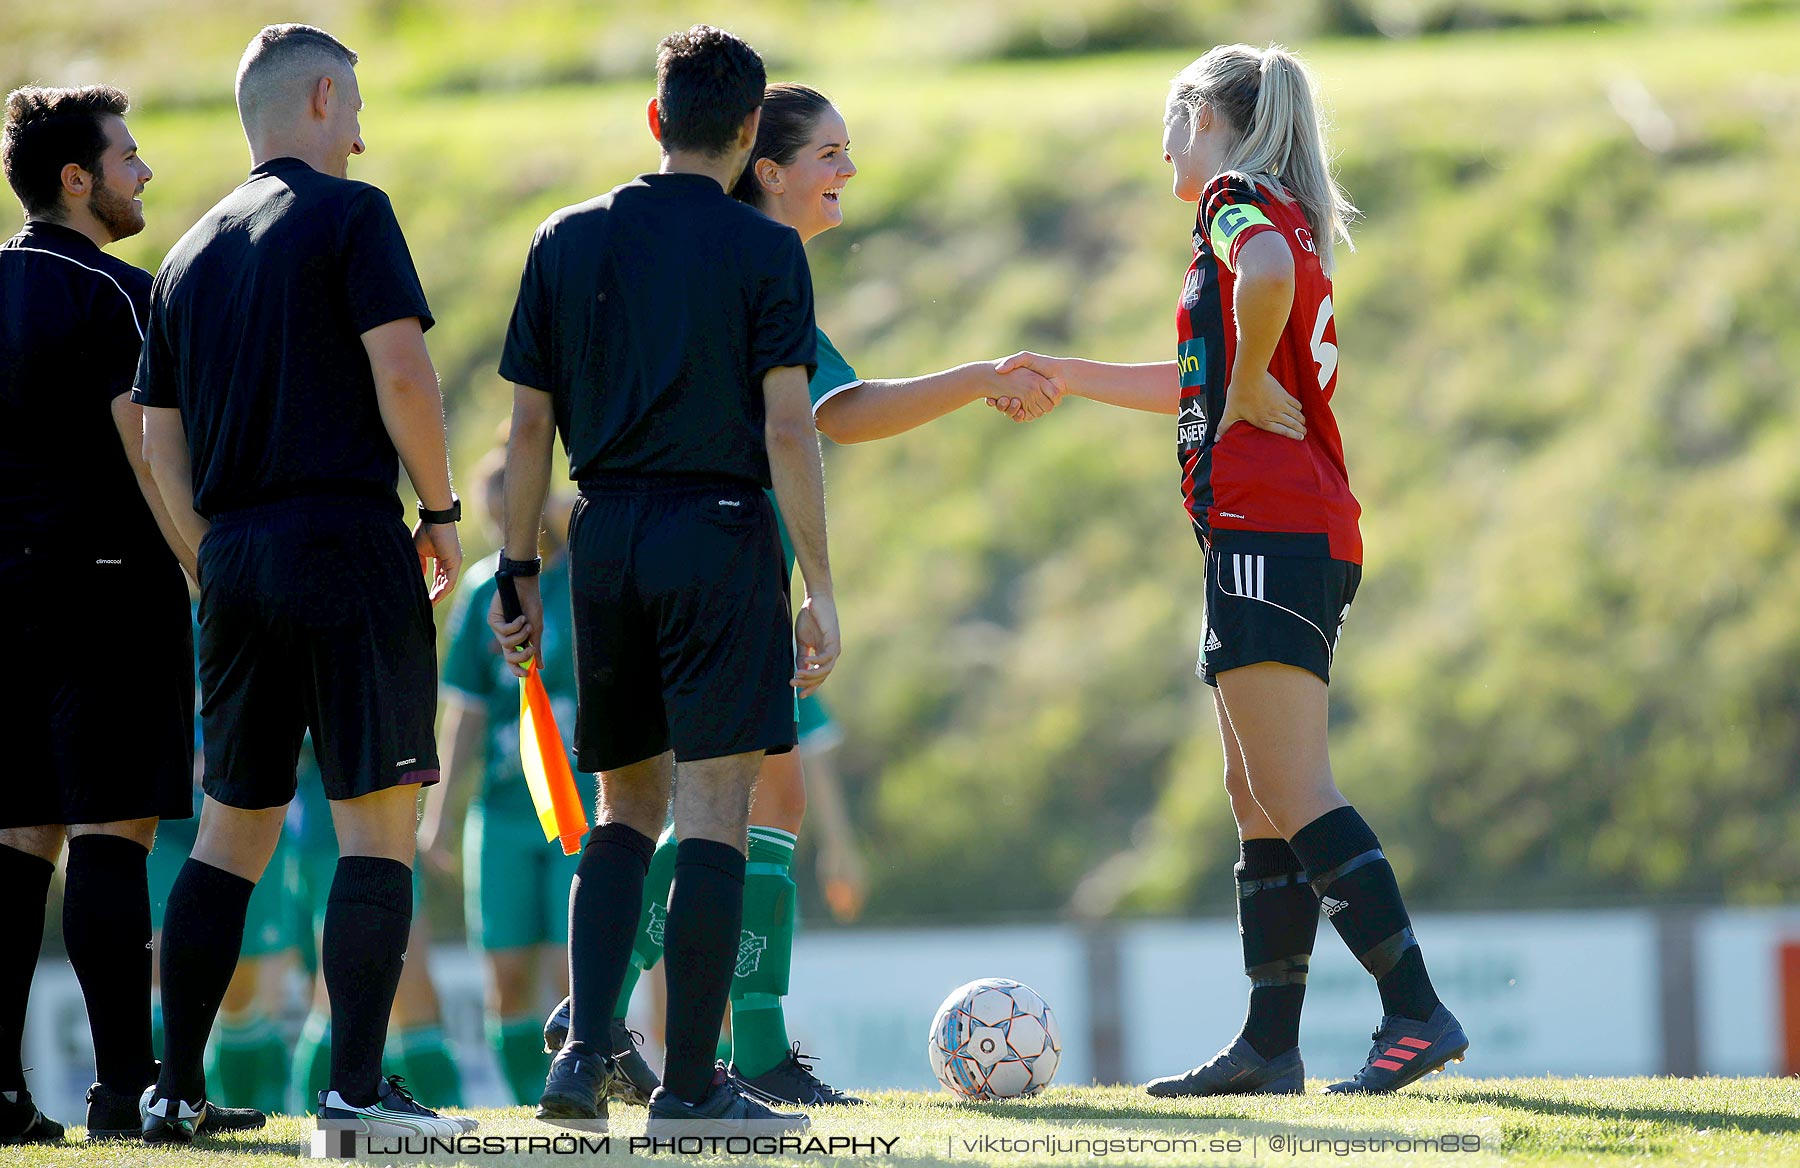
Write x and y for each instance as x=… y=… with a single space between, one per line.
x=1661 y=1122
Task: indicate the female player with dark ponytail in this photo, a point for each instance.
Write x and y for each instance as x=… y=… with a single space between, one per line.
x=796 y=175
x=1265 y=485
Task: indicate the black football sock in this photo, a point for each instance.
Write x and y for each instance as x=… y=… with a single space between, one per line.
x=604 y=903
x=1357 y=890
x=700 y=946
x=26 y=879
x=368 y=917
x=1278 y=917
x=203 y=929
x=106 y=928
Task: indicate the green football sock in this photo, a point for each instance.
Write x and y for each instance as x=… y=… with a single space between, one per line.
x=633 y=971
x=156 y=1028
x=646 y=949
x=272 y=1073
x=765 y=952
x=429 y=1066
x=234 y=1061
x=518 y=1048
x=310 y=1071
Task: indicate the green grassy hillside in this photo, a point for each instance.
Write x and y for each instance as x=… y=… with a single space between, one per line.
x=1567 y=365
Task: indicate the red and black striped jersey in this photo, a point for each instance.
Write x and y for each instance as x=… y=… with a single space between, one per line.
x=1253 y=480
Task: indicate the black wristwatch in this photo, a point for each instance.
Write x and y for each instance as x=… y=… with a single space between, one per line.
x=450 y=514
x=518 y=567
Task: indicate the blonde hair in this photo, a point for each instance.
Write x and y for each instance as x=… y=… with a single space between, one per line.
x=1267 y=96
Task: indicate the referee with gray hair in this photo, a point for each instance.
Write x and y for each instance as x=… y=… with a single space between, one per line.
x=285 y=381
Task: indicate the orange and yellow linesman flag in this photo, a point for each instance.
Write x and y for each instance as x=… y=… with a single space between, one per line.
x=546 y=764
x=541 y=752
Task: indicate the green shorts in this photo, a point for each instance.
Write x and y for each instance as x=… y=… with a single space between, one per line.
x=174 y=840
x=267 y=924
x=817 y=730
x=309 y=878
x=311 y=864
x=515 y=885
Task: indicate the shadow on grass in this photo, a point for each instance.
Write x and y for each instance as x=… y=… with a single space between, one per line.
x=1220 y=1115
x=255 y=1143
x=1759 y=1122
x=1074 y=1112
x=1224 y=1109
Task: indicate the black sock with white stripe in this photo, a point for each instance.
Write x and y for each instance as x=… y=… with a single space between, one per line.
x=1278 y=918
x=1357 y=890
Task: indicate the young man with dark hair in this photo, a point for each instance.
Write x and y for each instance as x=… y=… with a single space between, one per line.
x=667 y=331
x=286 y=382
x=86 y=572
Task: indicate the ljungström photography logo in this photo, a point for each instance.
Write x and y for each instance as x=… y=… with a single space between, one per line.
x=334 y=1144
x=349 y=1144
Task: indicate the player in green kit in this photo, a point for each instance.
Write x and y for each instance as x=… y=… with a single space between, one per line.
x=307 y=876
x=516 y=886
x=796 y=175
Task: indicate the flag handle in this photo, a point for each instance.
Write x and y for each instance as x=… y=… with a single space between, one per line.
x=559 y=807
x=510 y=608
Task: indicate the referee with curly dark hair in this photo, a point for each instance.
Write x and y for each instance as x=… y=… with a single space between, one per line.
x=82 y=531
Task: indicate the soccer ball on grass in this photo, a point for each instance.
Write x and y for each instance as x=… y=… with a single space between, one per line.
x=994 y=1039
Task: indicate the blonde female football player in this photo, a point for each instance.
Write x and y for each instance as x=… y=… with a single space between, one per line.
x=1263 y=473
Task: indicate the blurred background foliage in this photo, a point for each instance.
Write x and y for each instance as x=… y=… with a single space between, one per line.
x=1569 y=347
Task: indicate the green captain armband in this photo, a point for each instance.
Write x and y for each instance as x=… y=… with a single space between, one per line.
x=1232 y=221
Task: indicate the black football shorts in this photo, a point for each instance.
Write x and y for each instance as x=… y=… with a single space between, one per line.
x=99 y=726
x=1284 y=608
x=683 y=638
x=314 y=616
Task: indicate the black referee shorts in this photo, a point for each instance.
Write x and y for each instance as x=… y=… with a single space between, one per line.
x=100 y=726
x=683 y=639
x=314 y=615
x=1284 y=608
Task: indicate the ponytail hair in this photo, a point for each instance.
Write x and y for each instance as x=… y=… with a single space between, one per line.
x=1268 y=98
x=790 y=114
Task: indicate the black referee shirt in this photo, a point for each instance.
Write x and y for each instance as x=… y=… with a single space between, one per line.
x=71 y=324
x=650 y=314
x=255 y=334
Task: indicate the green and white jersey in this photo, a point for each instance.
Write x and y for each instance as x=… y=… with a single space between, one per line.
x=833 y=376
x=474 y=669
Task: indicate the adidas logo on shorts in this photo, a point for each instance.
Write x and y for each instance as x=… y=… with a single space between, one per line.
x=1213 y=644
x=1332 y=906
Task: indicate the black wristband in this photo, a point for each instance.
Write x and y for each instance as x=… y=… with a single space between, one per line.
x=450 y=514
x=518 y=567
